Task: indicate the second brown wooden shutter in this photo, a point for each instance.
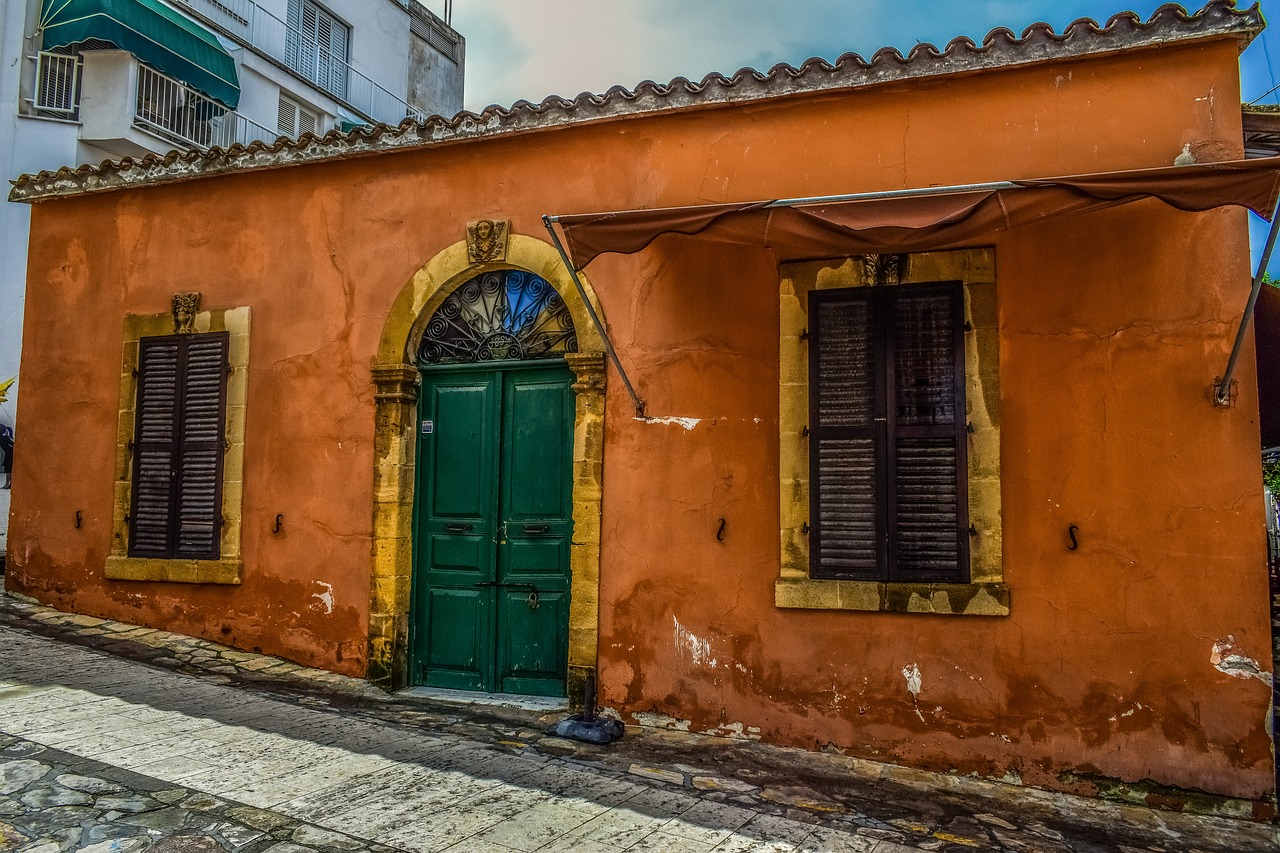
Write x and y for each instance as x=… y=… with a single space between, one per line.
x=199 y=499
x=176 y=509
x=926 y=431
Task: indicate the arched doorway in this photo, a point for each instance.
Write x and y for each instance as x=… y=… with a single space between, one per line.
x=405 y=379
x=493 y=516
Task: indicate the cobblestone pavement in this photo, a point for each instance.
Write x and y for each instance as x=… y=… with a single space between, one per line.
x=120 y=739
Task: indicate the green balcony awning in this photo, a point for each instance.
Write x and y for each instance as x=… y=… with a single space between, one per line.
x=151 y=31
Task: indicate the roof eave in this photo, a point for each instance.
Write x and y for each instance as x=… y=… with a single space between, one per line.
x=1001 y=49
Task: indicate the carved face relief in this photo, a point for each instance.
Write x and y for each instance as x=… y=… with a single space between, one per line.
x=185 y=308
x=487 y=240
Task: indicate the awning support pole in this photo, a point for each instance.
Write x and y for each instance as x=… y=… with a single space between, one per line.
x=595 y=318
x=1222 y=389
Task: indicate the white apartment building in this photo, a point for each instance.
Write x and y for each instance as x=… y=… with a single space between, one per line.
x=91 y=80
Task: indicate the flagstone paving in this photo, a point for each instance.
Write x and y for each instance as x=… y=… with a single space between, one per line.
x=123 y=740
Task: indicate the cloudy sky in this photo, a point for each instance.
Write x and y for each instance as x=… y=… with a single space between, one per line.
x=533 y=48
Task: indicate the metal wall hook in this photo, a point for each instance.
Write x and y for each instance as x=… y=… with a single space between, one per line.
x=720 y=531
x=279 y=523
x=1072 y=530
x=79 y=519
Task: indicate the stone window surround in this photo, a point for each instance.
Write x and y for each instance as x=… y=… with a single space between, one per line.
x=395 y=380
x=985 y=594
x=228 y=568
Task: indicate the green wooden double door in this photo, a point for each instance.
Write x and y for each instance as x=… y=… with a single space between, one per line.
x=494 y=517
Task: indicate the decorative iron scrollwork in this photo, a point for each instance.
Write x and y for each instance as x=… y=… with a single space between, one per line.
x=504 y=315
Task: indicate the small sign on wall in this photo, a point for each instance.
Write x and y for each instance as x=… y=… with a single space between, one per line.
x=428 y=427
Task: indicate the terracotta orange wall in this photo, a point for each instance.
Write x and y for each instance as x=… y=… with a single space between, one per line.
x=1112 y=330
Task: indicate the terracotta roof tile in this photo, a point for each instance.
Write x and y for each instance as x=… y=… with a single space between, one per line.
x=1000 y=49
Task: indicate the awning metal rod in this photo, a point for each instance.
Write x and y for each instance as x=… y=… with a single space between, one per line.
x=907 y=193
x=834 y=199
x=595 y=318
x=1222 y=390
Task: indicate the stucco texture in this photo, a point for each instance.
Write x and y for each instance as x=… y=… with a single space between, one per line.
x=1112 y=328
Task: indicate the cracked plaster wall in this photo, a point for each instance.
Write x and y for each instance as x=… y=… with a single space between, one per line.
x=1111 y=330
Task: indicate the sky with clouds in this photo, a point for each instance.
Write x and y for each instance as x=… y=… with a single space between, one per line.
x=533 y=48
x=529 y=49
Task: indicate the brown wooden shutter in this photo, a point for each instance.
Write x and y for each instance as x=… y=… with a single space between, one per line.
x=888 y=478
x=845 y=467
x=926 y=429
x=177 y=488
x=199 y=500
x=155 y=433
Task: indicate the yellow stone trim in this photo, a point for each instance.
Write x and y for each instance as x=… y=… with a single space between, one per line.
x=441 y=275
x=986 y=593
x=395 y=446
x=174 y=571
x=228 y=568
x=952 y=599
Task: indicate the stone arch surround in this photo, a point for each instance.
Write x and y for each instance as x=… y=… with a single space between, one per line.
x=395 y=379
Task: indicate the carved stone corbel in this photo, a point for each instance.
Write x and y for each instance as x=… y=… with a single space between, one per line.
x=185 y=308
x=487 y=240
x=886 y=269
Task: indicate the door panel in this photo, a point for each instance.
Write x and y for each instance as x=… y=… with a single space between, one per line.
x=463 y=445
x=537 y=432
x=455 y=531
x=537 y=521
x=460 y=638
x=533 y=642
x=493 y=525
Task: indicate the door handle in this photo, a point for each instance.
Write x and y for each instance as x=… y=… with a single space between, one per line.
x=534 y=529
x=458 y=528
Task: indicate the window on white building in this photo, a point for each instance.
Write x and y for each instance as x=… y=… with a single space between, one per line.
x=57 y=83
x=316 y=46
x=295 y=119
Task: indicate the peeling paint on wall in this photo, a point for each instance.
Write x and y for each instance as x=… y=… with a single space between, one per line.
x=699 y=650
x=739 y=731
x=911 y=673
x=1226 y=658
x=324 y=598
x=1137 y=706
x=687 y=423
x=654 y=720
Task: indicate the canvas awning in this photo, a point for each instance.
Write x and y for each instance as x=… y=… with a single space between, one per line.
x=922 y=219
x=151 y=31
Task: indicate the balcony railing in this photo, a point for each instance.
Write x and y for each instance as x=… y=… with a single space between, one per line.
x=249 y=22
x=180 y=114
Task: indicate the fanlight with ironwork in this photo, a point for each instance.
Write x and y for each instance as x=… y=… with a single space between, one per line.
x=499 y=316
